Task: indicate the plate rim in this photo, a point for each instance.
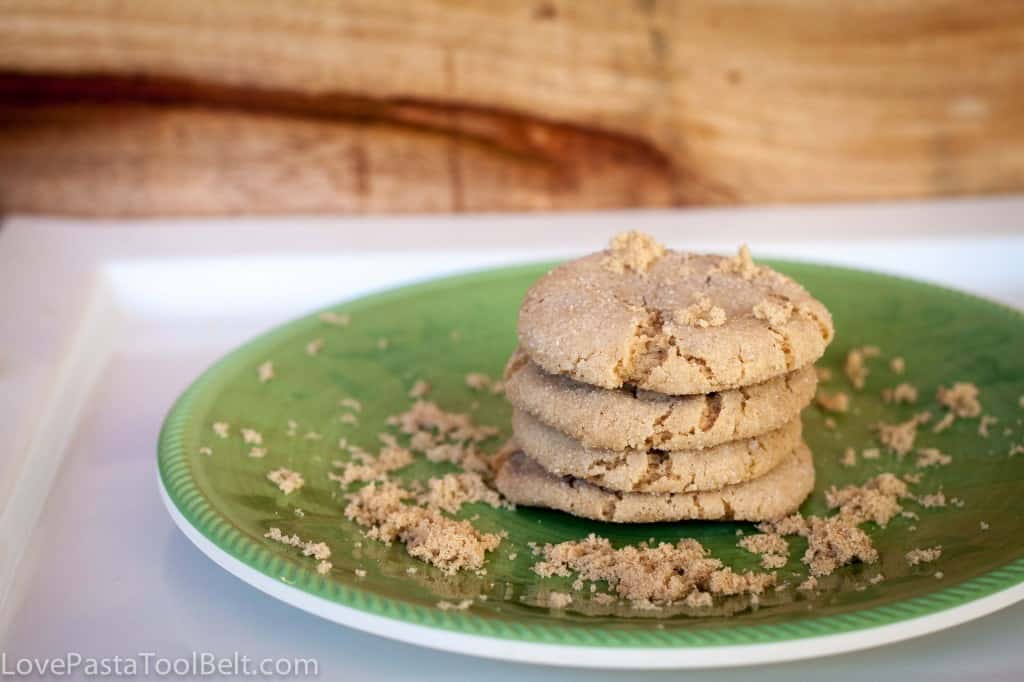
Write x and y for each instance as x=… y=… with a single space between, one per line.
x=551 y=643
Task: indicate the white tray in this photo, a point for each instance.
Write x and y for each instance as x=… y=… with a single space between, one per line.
x=105 y=323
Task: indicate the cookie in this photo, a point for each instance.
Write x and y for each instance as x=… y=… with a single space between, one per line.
x=671 y=322
x=654 y=471
x=777 y=494
x=623 y=419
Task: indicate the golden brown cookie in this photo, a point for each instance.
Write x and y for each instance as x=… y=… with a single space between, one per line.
x=772 y=496
x=624 y=419
x=653 y=471
x=669 y=321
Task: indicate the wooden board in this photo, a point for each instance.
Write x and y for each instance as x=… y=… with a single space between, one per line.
x=231 y=106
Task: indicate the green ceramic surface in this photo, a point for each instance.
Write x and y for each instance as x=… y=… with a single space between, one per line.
x=443 y=329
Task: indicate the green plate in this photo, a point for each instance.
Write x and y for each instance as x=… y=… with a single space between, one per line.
x=441 y=330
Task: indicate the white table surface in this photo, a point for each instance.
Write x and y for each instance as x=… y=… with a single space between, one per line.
x=106 y=323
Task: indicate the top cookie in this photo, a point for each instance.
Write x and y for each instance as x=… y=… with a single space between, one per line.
x=668 y=321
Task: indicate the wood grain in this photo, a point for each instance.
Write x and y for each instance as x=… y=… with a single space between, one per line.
x=224 y=106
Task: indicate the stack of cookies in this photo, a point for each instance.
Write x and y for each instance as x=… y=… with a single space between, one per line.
x=655 y=385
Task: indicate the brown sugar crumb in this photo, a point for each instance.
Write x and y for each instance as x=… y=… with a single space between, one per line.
x=222 y=429
x=324 y=567
x=427 y=535
x=252 y=437
x=286 y=480
x=335 y=319
x=920 y=556
x=366 y=468
x=314 y=347
x=419 y=389
x=901 y=393
x=986 y=421
x=773 y=548
x=833 y=402
x=849 y=458
x=944 y=423
x=808 y=585
x=741 y=264
x=649 y=576
x=898 y=365
x=961 y=399
x=451 y=491
x=835 y=541
x=455 y=606
x=824 y=374
x=856 y=367
x=877 y=500
x=931 y=457
x=478 y=381
x=773 y=310
x=634 y=251
x=899 y=437
x=265 y=372
x=936 y=499
x=318 y=550
x=871 y=453
x=701 y=314
x=558 y=600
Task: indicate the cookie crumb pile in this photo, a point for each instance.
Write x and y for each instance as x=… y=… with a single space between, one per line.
x=657 y=385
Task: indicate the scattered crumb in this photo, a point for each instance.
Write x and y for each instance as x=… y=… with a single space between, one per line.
x=899 y=437
x=701 y=314
x=287 y=480
x=459 y=606
x=265 y=372
x=901 y=393
x=318 y=550
x=383 y=343
x=412 y=570
x=419 y=389
x=206 y=450
x=324 y=567
x=936 y=499
x=448 y=544
x=830 y=423
x=920 y=556
x=877 y=500
x=478 y=381
x=312 y=435
x=252 y=437
x=810 y=584
x=871 y=453
x=558 y=600
x=983 y=525
x=877 y=578
x=352 y=404
x=222 y=429
x=336 y=319
x=930 y=457
x=451 y=491
x=1020 y=401
x=833 y=542
x=898 y=365
x=834 y=402
x=650 y=576
x=299 y=512
x=849 y=458
x=258 y=453
x=348 y=418
x=939 y=575
x=856 y=368
x=633 y=251
x=360 y=573
x=961 y=399
x=986 y=421
x=1017 y=449
x=314 y=346
x=368 y=468
x=957 y=502
x=293 y=427
x=824 y=374
x=944 y=423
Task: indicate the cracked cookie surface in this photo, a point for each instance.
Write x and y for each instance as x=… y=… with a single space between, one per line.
x=653 y=471
x=610 y=327
x=777 y=494
x=625 y=418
